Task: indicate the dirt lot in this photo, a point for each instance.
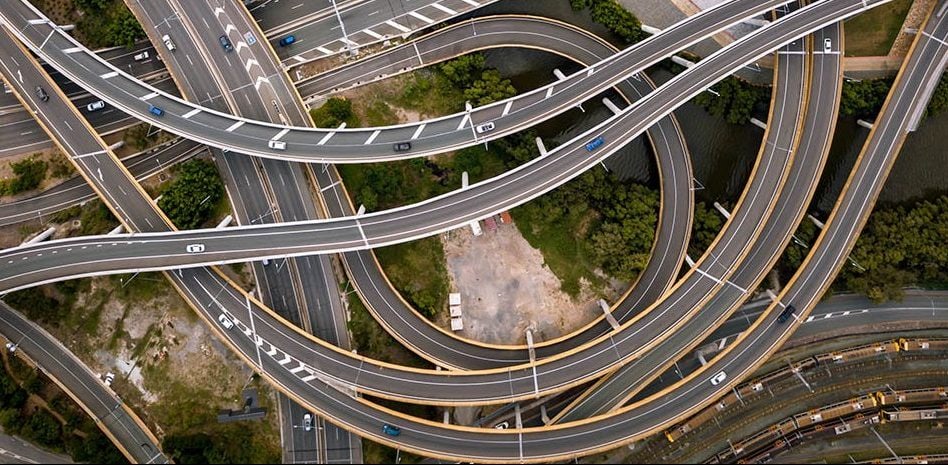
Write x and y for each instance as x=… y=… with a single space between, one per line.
x=166 y=361
x=506 y=288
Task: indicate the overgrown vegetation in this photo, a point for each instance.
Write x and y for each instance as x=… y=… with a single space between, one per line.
x=615 y=17
x=939 y=101
x=191 y=199
x=417 y=269
x=75 y=434
x=369 y=339
x=863 y=99
x=593 y=222
x=705 y=227
x=901 y=246
x=333 y=113
x=28 y=173
x=107 y=23
x=734 y=99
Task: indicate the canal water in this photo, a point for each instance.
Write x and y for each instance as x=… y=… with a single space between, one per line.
x=722 y=154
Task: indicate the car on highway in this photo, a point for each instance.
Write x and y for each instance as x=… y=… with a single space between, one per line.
x=41 y=93
x=97 y=105
x=391 y=430
x=155 y=110
x=288 y=40
x=502 y=425
x=168 y=43
x=786 y=314
x=308 y=422
x=595 y=144
x=486 y=127
x=718 y=378
x=225 y=322
x=402 y=146
x=225 y=42
x=195 y=248
x=109 y=378
x=276 y=145
x=827 y=45
x=11 y=347
x=141 y=56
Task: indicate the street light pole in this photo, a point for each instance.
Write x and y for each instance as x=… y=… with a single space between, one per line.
x=345 y=37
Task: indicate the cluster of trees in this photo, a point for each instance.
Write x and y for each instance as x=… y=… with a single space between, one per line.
x=192 y=197
x=108 y=23
x=939 y=101
x=617 y=220
x=705 y=226
x=333 y=113
x=39 y=426
x=864 y=98
x=28 y=173
x=900 y=246
x=734 y=99
x=481 y=84
x=612 y=15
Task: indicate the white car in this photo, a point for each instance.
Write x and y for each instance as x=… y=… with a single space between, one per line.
x=486 y=127
x=225 y=322
x=141 y=56
x=308 y=422
x=827 y=45
x=11 y=347
x=97 y=105
x=718 y=378
x=109 y=377
x=195 y=248
x=502 y=425
x=276 y=145
x=168 y=43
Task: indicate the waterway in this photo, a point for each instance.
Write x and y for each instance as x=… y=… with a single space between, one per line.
x=722 y=154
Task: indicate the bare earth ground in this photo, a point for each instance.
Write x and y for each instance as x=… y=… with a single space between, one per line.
x=505 y=288
x=161 y=352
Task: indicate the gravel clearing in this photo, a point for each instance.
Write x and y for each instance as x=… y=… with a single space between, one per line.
x=506 y=288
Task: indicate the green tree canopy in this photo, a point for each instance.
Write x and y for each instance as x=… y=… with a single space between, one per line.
x=192 y=197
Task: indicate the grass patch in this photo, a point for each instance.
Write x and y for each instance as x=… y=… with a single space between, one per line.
x=873 y=32
x=417 y=269
x=188 y=414
x=560 y=240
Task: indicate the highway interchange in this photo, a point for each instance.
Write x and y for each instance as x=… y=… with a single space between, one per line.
x=713 y=275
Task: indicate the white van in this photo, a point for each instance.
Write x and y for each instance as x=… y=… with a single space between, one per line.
x=277 y=145
x=168 y=43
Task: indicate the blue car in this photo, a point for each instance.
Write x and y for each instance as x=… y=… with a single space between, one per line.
x=155 y=110
x=595 y=143
x=391 y=430
x=287 y=40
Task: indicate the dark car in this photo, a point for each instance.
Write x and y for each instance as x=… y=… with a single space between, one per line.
x=391 y=430
x=41 y=93
x=402 y=146
x=287 y=40
x=595 y=143
x=225 y=42
x=786 y=314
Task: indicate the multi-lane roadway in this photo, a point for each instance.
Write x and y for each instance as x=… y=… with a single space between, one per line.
x=926 y=60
